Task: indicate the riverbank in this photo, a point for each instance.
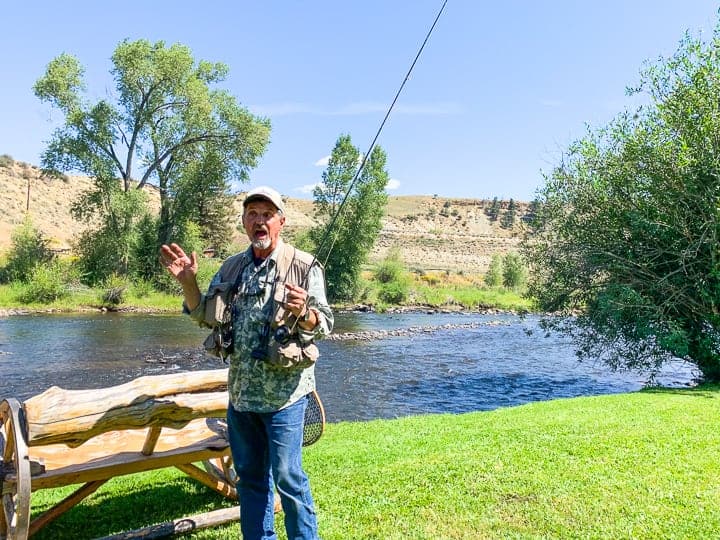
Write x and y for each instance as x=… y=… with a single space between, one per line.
x=19 y=312
x=172 y=304
x=641 y=465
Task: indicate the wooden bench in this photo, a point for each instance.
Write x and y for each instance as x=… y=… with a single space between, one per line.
x=63 y=437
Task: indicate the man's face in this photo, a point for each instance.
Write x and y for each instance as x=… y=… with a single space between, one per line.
x=262 y=224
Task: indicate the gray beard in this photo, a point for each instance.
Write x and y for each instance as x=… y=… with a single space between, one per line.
x=261 y=244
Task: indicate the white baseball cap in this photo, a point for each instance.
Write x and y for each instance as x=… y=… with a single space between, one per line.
x=267 y=193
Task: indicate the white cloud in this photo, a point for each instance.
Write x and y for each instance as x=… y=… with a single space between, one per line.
x=322 y=162
x=307 y=188
x=392 y=184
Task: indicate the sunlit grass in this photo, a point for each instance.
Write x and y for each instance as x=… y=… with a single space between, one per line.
x=437 y=290
x=642 y=465
x=86 y=298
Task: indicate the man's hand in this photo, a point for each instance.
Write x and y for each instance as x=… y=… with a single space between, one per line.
x=183 y=268
x=296 y=301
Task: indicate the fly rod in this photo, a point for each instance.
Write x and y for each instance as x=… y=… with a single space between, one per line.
x=339 y=210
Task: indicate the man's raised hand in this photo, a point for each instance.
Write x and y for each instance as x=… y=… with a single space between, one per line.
x=178 y=263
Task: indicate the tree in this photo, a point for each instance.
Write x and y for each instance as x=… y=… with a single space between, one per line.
x=508 y=219
x=532 y=212
x=494 y=274
x=493 y=212
x=203 y=196
x=353 y=234
x=29 y=249
x=513 y=271
x=165 y=117
x=629 y=224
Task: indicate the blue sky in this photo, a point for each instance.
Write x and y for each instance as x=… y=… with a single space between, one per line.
x=500 y=91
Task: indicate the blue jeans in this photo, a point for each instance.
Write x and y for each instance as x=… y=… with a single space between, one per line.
x=267 y=446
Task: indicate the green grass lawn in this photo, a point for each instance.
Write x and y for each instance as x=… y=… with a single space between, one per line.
x=638 y=465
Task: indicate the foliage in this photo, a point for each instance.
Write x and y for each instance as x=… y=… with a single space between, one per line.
x=514 y=272
x=108 y=249
x=29 y=248
x=531 y=215
x=494 y=274
x=202 y=196
x=509 y=216
x=116 y=288
x=6 y=161
x=629 y=228
x=301 y=239
x=168 y=126
x=393 y=278
x=352 y=233
x=145 y=249
x=141 y=289
x=45 y=285
x=493 y=211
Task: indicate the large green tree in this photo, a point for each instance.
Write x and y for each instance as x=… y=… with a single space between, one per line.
x=628 y=224
x=351 y=236
x=165 y=116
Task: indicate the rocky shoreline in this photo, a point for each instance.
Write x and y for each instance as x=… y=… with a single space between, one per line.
x=369 y=335
x=359 y=308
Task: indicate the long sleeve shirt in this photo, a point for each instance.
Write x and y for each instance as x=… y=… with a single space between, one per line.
x=253 y=383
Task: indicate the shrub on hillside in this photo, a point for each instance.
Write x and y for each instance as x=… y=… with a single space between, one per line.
x=6 y=161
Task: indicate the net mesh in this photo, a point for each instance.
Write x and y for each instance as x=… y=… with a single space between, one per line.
x=314 y=419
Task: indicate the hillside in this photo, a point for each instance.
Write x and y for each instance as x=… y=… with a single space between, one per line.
x=432 y=232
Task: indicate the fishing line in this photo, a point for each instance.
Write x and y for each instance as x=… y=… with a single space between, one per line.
x=372 y=145
x=339 y=210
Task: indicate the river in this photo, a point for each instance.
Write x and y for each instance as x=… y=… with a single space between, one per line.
x=476 y=362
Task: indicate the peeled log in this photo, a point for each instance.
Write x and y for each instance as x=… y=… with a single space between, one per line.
x=72 y=417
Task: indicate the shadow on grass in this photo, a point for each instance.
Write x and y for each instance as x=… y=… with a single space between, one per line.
x=706 y=390
x=127 y=503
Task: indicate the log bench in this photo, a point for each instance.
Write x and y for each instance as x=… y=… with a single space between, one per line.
x=65 y=437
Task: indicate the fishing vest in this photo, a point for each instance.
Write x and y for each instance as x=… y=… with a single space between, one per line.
x=293 y=266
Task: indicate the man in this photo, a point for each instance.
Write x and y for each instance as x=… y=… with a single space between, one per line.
x=280 y=304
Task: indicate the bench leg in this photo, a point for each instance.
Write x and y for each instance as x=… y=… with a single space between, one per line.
x=15 y=479
x=63 y=506
x=222 y=486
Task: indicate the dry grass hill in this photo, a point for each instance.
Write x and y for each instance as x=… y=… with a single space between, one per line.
x=431 y=232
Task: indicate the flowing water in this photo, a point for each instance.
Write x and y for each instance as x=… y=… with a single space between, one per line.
x=477 y=362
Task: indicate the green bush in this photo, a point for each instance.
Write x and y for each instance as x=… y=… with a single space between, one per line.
x=145 y=249
x=494 y=275
x=44 y=286
x=390 y=269
x=514 y=274
x=29 y=249
x=100 y=255
x=141 y=288
x=115 y=290
x=395 y=292
x=393 y=279
x=6 y=161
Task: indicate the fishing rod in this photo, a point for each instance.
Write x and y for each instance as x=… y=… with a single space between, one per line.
x=282 y=332
x=372 y=144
